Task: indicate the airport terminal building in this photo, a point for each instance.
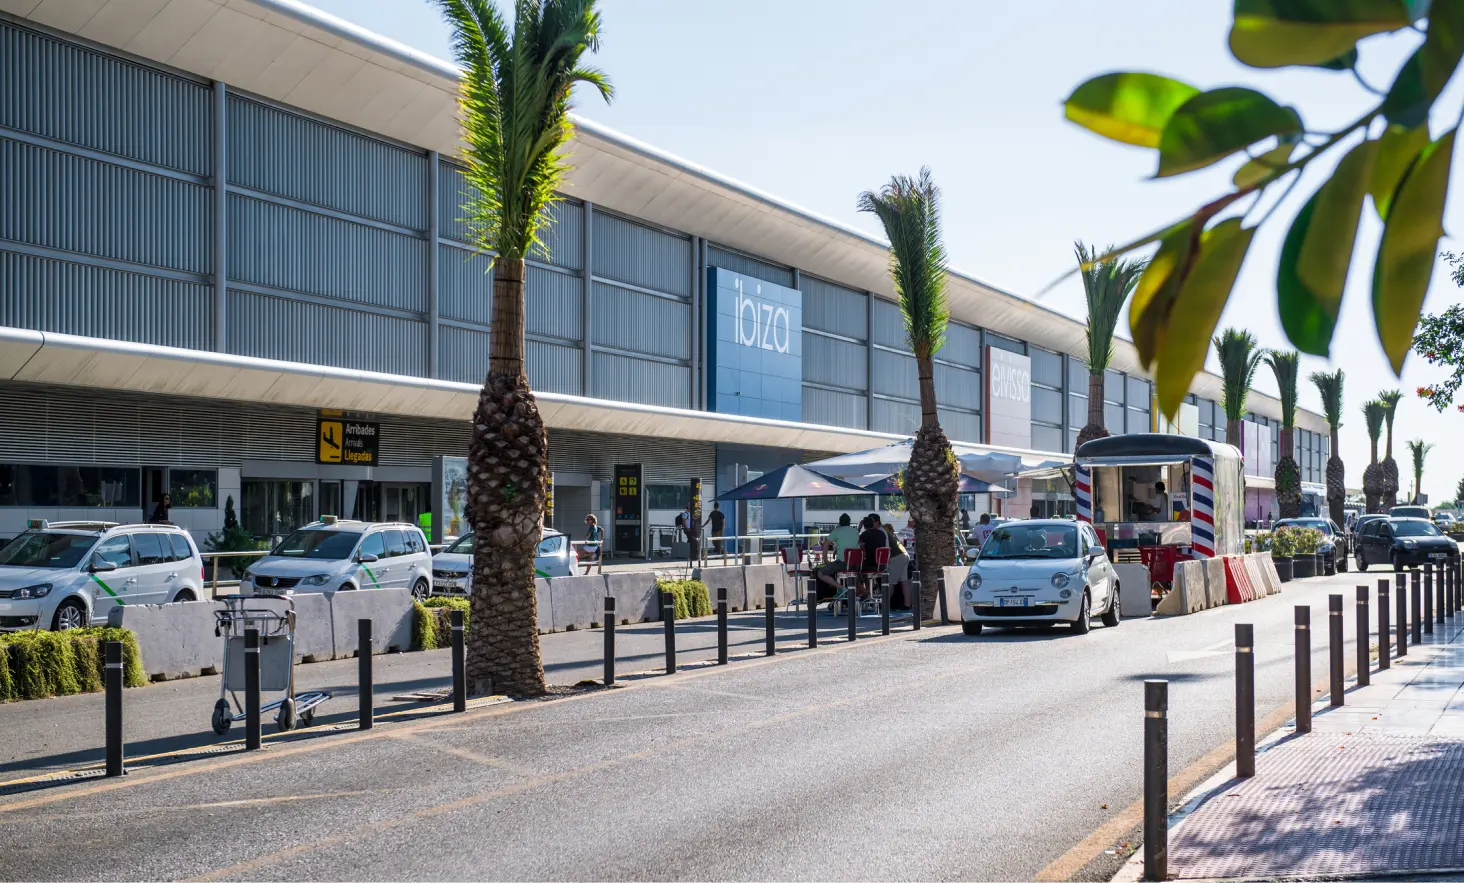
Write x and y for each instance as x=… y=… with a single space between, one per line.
x=230 y=240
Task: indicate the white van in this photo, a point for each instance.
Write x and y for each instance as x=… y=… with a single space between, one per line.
x=70 y=574
x=339 y=556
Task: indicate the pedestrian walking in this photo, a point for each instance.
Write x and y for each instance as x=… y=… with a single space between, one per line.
x=160 y=512
x=717 y=521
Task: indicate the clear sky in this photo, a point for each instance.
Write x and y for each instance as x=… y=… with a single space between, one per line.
x=816 y=100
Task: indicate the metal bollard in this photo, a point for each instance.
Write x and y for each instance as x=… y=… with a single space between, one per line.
x=1401 y=590
x=609 y=679
x=851 y=608
x=114 y=684
x=884 y=607
x=940 y=599
x=1449 y=574
x=770 y=611
x=1334 y=645
x=1245 y=700
x=1364 y=639
x=1303 y=669
x=810 y=599
x=1436 y=581
x=668 y=620
x=1385 y=629
x=365 y=689
x=459 y=665
x=251 y=689
x=722 y=626
x=1417 y=607
x=1428 y=607
x=917 y=603
x=1156 y=780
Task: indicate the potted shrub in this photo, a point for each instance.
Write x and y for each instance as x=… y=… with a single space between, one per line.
x=1282 y=543
x=1304 y=558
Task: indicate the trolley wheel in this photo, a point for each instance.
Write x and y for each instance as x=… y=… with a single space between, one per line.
x=285 y=717
x=223 y=717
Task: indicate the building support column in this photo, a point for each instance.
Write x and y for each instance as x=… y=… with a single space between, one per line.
x=434 y=357
x=869 y=360
x=698 y=326
x=588 y=273
x=221 y=217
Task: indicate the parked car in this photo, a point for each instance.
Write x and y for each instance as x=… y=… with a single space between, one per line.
x=1334 y=549
x=1037 y=573
x=332 y=555
x=1410 y=512
x=70 y=574
x=451 y=566
x=1444 y=520
x=1402 y=542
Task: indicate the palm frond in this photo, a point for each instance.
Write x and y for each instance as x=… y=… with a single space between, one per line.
x=1374 y=412
x=909 y=209
x=1239 y=359
x=515 y=103
x=1107 y=284
x=1419 y=449
x=1329 y=387
x=1390 y=401
x=1287 y=368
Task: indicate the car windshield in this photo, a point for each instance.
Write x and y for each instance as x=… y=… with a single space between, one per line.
x=1415 y=529
x=57 y=550
x=1408 y=512
x=329 y=545
x=463 y=545
x=1320 y=524
x=1018 y=540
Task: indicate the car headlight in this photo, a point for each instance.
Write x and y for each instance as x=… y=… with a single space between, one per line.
x=40 y=590
x=318 y=579
x=970 y=595
x=1065 y=594
x=1059 y=580
x=1409 y=542
x=973 y=580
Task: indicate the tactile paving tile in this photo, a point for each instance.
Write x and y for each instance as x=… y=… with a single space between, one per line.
x=1332 y=805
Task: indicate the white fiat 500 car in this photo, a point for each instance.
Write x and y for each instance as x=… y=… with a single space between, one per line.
x=70 y=574
x=450 y=567
x=332 y=555
x=1038 y=573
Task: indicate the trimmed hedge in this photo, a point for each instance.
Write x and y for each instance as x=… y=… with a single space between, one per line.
x=35 y=665
x=692 y=597
x=432 y=621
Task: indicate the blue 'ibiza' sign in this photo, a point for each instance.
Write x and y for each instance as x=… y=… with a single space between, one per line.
x=754 y=347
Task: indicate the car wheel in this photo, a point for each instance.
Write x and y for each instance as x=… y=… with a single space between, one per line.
x=971 y=628
x=1085 y=615
x=420 y=590
x=1111 y=615
x=346 y=587
x=1341 y=563
x=1361 y=562
x=184 y=595
x=70 y=615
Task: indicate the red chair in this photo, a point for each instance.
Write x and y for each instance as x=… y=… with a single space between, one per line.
x=853 y=565
x=793 y=565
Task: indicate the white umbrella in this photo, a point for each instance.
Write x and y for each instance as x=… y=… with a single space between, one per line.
x=990 y=466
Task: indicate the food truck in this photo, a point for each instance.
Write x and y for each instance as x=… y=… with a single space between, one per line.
x=1165 y=497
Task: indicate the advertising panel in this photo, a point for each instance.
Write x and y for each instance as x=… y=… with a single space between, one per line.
x=754 y=347
x=629 y=510
x=1008 y=398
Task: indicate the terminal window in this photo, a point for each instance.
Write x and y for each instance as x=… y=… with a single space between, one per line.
x=26 y=484
x=193 y=488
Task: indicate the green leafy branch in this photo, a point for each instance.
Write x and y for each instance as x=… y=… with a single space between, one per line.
x=1178 y=301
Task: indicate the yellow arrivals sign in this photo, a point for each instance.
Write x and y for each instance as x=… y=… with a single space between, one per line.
x=347 y=442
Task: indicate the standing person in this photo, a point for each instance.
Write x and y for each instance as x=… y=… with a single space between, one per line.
x=718 y=521
x=594 y=543
x=160 y=512
x=981 y=531
x=839 y=539
x=899 y=570
x=965 y=519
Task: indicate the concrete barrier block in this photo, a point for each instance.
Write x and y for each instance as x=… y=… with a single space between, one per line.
x=756 y=578
x=176 y=640
x=390 y=612
x=1133 y=590
x=315 y=633
x=1189 y=593
x=635 y=596
x=733 y=579
x=1215 y=582
x=577 y=601
x=1253 y=573
x=1267 y=566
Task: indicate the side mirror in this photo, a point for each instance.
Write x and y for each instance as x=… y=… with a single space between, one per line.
x=366 y=558
x=1095 y=553
x=973 y=551
x=99 y=566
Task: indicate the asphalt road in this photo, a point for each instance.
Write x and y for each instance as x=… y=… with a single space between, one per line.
x=913 y=757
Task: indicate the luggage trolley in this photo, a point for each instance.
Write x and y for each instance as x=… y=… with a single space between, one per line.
x=276 y=662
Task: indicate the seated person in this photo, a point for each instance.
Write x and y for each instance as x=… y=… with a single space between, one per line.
x=872 y=538
x=839 y=539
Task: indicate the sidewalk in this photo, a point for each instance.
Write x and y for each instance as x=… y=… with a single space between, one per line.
x=1376 y=788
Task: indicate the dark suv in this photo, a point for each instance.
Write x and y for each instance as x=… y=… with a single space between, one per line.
x=1402 y=542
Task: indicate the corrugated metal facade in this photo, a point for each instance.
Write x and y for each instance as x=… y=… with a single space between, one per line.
x=749 y=266
x=627 y=379
x=271 y=327
x=835 y=408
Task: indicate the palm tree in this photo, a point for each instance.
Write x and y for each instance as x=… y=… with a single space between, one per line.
x=514 y=104
x=1419 y=449
x=1107 y=284
x=1286 y=367
x=1374 y=412
x=1329 y=386
x=909 y=209
x=1389 y=465
x=1239 y=358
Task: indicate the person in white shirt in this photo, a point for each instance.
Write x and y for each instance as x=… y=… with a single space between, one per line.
x=981 y=531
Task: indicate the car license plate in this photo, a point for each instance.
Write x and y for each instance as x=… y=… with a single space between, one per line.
x=1013 y=602
x=1438 y=554
x=445 y=585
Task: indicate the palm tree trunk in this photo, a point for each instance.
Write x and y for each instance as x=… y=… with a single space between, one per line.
x=931 y=491
x=1094 y=428
x=507 y=475
x=1336 y=482
x=1233 y=432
